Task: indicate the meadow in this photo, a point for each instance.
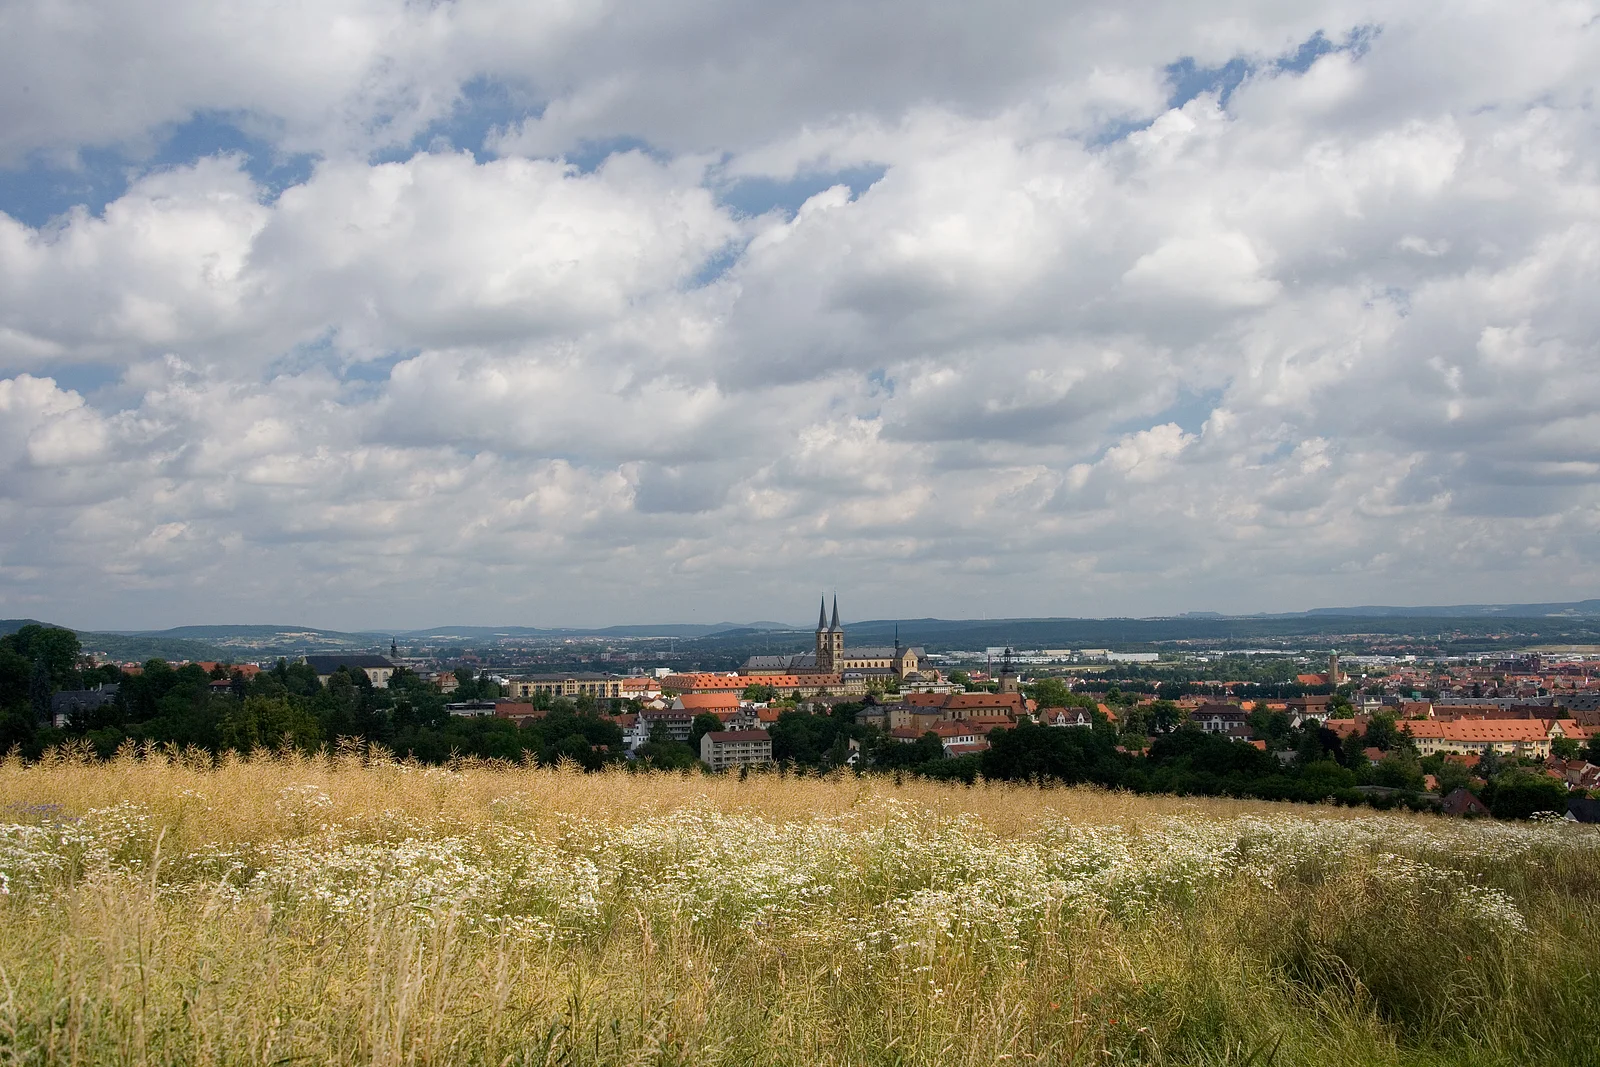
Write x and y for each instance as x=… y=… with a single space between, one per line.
x=168 y=908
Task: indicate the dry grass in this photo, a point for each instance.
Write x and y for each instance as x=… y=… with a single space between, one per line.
x=161 y=909
x=242 y=794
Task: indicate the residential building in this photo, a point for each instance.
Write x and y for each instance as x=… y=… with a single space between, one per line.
x=1067 y=717
x=912 y=717
x=962 y=705
x=518 y=711
x=69 y=702
x=677 y=723
x=1461 y=802
x=721 y=749
x=954 y=733
x=1505 y=737
x=599 y=686
x=1304 y=709
x=1230 y=720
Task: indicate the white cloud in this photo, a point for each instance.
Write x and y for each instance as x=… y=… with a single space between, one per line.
x=1341 y=327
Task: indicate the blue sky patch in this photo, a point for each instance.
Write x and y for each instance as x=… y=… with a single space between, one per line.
x=41 y=190
x=484 y=107
x=1189 y=80
x=716 y=266
x=85 y=379
x=1190 y=411
x=757 y=196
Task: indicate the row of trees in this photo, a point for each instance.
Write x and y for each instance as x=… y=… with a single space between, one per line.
x=285 y=705
x=1147 y=750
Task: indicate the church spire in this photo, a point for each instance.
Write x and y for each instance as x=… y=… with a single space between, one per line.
x=822 y=614
x=835 y=624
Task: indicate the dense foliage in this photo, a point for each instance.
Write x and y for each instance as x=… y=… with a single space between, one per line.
x=287 y=705
x=1147 y=750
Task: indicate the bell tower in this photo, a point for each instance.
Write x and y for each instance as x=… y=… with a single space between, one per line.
x=835 y=641
x=824 y=647
x=1008 y=676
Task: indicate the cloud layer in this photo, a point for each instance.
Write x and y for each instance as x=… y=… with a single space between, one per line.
x=582 y=316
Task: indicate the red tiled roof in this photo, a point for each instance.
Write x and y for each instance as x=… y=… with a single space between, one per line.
x=709 y=701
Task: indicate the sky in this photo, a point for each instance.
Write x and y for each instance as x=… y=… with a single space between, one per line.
x=368 y=313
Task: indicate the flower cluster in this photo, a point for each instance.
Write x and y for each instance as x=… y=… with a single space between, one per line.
x=885 y=876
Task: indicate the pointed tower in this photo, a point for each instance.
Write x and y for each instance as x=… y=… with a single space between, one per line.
x=835 y=640
x=824 y=648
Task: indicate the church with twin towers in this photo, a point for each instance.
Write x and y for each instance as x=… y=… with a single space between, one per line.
x=832 y=656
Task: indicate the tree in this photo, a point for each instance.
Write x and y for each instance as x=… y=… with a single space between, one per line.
x=759 y=693
x=1382 y=732
x=801 y=738
x=15 y=670
x=1050 y=692
x=1592 y=752
x=1163 y=716
x=1452 y=776
x=1352 y=750
x=1518 y=794
x=1310 y=745
x=56 y=648
x=1398 y=770
x=663 y=754
x=1564 y=748
x=1322 y=778
x=1271 y=726
x=39 y=690
x=704 y=723
x=961 y=678
x=261 y=722
x=1134 y=722
x=1029 y=751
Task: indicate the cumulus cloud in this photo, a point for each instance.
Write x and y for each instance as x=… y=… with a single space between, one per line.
x=1098 y=332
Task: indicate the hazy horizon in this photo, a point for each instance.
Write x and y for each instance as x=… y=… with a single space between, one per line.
x=1438 y=610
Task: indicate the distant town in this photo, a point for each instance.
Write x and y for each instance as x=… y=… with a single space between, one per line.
x=1508 y=732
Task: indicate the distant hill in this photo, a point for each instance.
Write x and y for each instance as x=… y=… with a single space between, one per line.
x=1129 y=634
x=259 y=638
x=126 y=648
x=1583 y=608
x=1485 y=624
x=670 y=629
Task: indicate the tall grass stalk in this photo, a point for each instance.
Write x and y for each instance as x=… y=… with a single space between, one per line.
x=165 y=907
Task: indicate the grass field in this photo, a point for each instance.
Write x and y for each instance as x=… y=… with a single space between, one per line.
x=162 y=910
